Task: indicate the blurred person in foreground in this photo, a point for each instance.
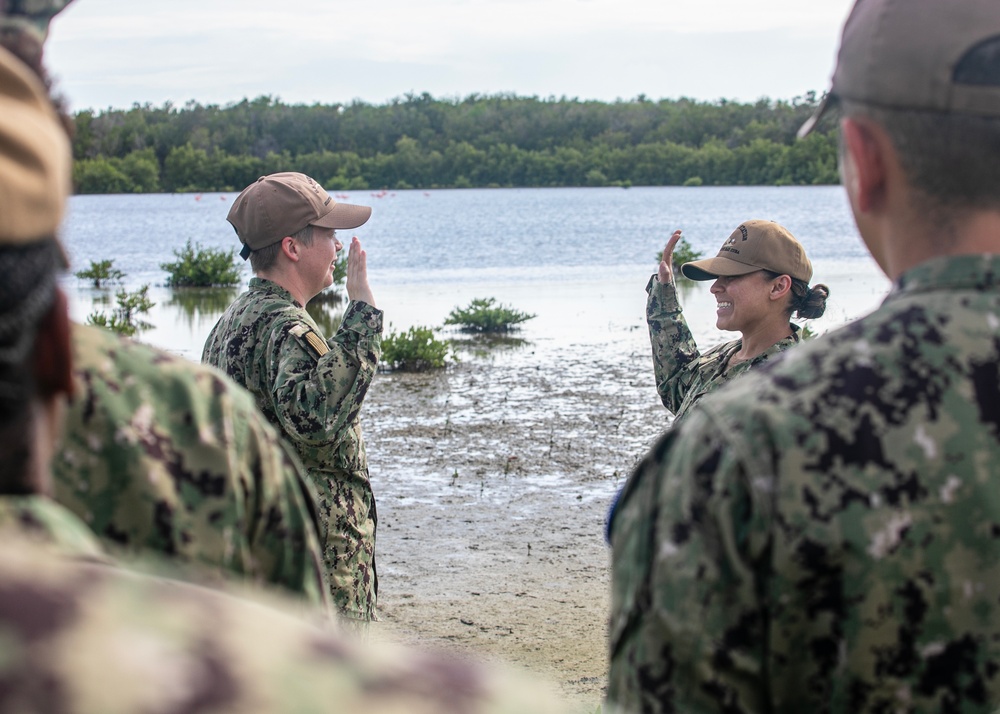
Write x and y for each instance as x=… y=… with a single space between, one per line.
x=310 y=387
x=825 y=537
x=161 y=454
x=77 y=633
x=761 y=276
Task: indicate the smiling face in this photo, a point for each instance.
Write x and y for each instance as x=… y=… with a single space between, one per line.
x=744 y=302
x=318 y=260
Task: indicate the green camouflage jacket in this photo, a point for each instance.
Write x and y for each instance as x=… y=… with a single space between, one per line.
x=825 y=537
x=83 y=637
x=313 y=389
x=161 y=453
x=683 y=374
x=42 y=520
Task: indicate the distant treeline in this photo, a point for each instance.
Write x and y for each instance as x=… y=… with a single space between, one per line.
x=422 y=142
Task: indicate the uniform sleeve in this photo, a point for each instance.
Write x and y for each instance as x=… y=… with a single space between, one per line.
x=690 y=545
x=674 y=348
x=159 y=453
x=283 y=525
x=317 y=395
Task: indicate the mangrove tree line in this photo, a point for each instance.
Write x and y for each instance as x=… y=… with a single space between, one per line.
x=419 y=141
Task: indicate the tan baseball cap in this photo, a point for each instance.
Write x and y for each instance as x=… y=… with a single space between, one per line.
x=281 y=204
x=934 y=55
x=754 y=245
x=35 y=163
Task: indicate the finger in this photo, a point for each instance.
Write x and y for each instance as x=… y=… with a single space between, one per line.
x=674 y=239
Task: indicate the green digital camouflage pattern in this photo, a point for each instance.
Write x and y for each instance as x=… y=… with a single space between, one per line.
x=263 y=342
x=161 y=453
x=41 y=520
x=81 y=638
x=683 y=374
x=825 y=537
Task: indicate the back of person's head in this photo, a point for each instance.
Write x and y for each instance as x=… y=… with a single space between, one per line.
x=34 y=183
x=928 y=72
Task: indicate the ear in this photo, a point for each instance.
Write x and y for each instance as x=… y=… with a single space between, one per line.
x=290 y=247
x=53 y=356
x=865 y=145
x=780 y=287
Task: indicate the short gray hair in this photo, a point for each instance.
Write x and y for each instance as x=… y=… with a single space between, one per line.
x=265 y=258
x=949 y=159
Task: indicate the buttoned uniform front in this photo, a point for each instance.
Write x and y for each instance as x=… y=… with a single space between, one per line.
x=825 y=537
x=683 y=374
x=312 y=389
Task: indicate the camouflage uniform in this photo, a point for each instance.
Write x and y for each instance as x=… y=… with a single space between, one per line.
x=41 y=520
x=159 y=453
x=312 y=389
x=88 y=637
x=683 y=375
x=826 y=536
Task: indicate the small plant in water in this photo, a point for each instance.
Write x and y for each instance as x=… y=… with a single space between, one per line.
x=485 y=315
x=415 y=350
x=198 y=267
x=683 y=253
x=100 y=271
x=806 y=332
x=125 y=318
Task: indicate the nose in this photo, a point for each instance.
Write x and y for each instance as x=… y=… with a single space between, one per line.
x=337 y=244
x=716 y=286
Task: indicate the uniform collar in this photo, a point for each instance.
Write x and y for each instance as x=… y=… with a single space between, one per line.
x=957 y=272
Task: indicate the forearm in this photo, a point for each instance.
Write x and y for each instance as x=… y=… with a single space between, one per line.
x=673 y=345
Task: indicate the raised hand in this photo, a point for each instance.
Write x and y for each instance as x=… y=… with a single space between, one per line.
x=357 y=274
x=666 y=272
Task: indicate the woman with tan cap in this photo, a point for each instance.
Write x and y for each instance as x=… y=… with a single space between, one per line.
x=761 y=277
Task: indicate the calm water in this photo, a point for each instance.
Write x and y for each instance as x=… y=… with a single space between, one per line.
x=578 y=258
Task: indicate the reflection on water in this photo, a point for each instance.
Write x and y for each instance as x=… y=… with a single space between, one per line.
x=487 y=346
x=328 y=318
x=195 y=304
x=327 y=309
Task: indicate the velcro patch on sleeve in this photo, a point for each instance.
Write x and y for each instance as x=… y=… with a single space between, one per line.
x=314 y=340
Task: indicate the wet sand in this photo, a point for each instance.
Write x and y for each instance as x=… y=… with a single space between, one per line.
x=493 y=480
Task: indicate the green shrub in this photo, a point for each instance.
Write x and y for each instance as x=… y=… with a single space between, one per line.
x=415 y=350
x=100 y=271
x=125 y=318
x=485 y=315
x=693 y=181
x=683 y=253
x=198 y=267
x=340 y=268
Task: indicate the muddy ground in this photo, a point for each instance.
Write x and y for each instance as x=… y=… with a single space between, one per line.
x=493 y=479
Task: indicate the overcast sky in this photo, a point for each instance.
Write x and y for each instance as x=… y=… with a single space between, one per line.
x=113 y=53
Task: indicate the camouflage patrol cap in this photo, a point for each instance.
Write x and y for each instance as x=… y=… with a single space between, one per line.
x=35 y=162
x=281 y=204
x=754 y=245
x=926 y=55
